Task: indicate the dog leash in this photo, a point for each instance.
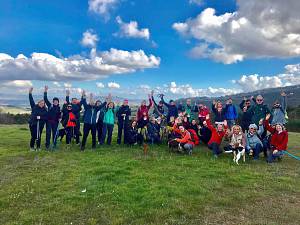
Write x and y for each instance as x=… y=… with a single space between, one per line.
x=291 y=155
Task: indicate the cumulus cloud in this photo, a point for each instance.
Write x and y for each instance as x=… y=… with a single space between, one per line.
x=89 y=39
x=100 y=85
x=256 y=82
x=131 y=30
x=113 y=85
x=258 y=29
x=46 y=67
x=102 y=7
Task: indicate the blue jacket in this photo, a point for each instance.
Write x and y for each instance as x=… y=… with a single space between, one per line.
x=90 y=112
x=230 y=112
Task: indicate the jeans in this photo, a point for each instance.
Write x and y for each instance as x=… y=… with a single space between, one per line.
x=51 y=129
x=215 y=147
x=86 y=130
x=99 y=129
x=272 y=156
x=107 y=129
x=256 y=150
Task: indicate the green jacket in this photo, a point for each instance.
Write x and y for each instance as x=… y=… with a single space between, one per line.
x=258 y=112
x=109 y=116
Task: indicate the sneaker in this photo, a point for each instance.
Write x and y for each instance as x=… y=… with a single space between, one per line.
x=38 y=149
x=32 y=150
x=228 y=151
x=251 y=152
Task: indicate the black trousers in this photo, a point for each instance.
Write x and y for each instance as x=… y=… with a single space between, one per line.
x=69 y=134
x=122 y=129
x=36 y=131
x=107 y=129
x=86 y=130
x=77 y=132
x=99 y=130
x=51 y=130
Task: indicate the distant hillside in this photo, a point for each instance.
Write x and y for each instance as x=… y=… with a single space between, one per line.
x=270 y=95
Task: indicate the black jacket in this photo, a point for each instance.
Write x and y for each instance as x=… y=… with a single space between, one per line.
x=35 y=112
x=76 y=108
x=172 y=109
x=123 y=110
x=54 y=113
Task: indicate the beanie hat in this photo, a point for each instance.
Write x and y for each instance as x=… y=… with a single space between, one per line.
x=55 y=99
x=253 y=125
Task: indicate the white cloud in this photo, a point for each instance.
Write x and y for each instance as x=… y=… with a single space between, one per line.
x=17 y=84
x=257 y=82
x=46 y=67
x=113 y=85
x=67 y=85
x=89 y=39
x=131 y=30
x=258 y=29
x=100 y=85
x=102 y=7
x=57 y=84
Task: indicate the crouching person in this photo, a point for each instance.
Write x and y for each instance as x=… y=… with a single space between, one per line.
x=278 y=141
x=153 y=132
x=134 y=137
x=185 y=142
x=254 y=145
x=217 y=135
x=237 y=143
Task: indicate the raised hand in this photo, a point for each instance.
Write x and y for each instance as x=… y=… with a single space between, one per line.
x=225 y=123
x=46 y=88
x=214 y=102
x=67 y=92
x=283 y=94
x=30 y=90
x=268 y=116
x=245 y=98
x=261 y=122
x=152 y=92
x=207 y=117
x=83 y=93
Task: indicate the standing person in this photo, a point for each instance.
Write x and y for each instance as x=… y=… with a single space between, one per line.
x=53 y=118
x=108 y=123
x=159 y=110
x=172 y=109
x=123 y=114
x=99 y=121
x=188 y=110
x=69 y=123
x=259 y=110
x=202 y=111
x=143 y=113
x=37 y=120
x=246 y=114
x=76 y=108
x=278 y=141
x=279 y=111
x=89 y=119
x=217 y=135
x=230 y=113
x=218 y=111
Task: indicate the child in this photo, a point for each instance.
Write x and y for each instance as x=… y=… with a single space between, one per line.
x=278 y=141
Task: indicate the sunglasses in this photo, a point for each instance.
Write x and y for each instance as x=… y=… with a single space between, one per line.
x=259 y=100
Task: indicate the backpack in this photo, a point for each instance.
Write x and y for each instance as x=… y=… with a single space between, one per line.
x=194 y=136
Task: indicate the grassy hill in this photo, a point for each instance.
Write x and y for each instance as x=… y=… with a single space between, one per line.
x=119 y=185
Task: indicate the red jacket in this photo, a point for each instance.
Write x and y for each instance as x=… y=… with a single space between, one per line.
x=185 y=136
x=279 y=141
x=71 y=121
x=144 y=109
x=203 y=112
x=216 y=136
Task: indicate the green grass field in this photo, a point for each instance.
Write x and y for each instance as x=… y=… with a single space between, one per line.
x=125 y=187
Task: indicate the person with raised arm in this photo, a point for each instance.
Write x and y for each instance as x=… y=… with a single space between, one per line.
x=254 y=145
x=53 y=119
x=202 y=111
x=159 y=110
x=90 y=119
x=172 y=108
x=246 y=115
x=142 y=115
x=279 y=110
x=217 y=135
x=230 y=113
x=278 y=141
x=108 y=122
x=76 y=108
x=123 y=114
x=219 y=112
x=37 y=120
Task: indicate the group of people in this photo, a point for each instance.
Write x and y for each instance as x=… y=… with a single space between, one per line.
x=256 y=129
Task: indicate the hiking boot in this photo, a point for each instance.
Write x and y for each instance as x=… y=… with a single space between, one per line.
x=32 y=150
x=251 y=152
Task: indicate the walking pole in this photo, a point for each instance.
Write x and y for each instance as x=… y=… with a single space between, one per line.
x=55 y=136
x=123 y=128
x=38 y=129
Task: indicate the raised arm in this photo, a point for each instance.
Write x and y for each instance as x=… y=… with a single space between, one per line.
x=267 y=124
x=83 y=100
x=283 y=101
x=166 y=104
x=46 y=97
x=68 y=96
x=31 y=101
x=242 y=104
x=209 y=125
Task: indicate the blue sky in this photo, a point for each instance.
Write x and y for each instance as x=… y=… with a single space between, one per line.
x=57 y=27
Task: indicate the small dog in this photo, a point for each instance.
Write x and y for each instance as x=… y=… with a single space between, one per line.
x=238 y=153
x=173 y=145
